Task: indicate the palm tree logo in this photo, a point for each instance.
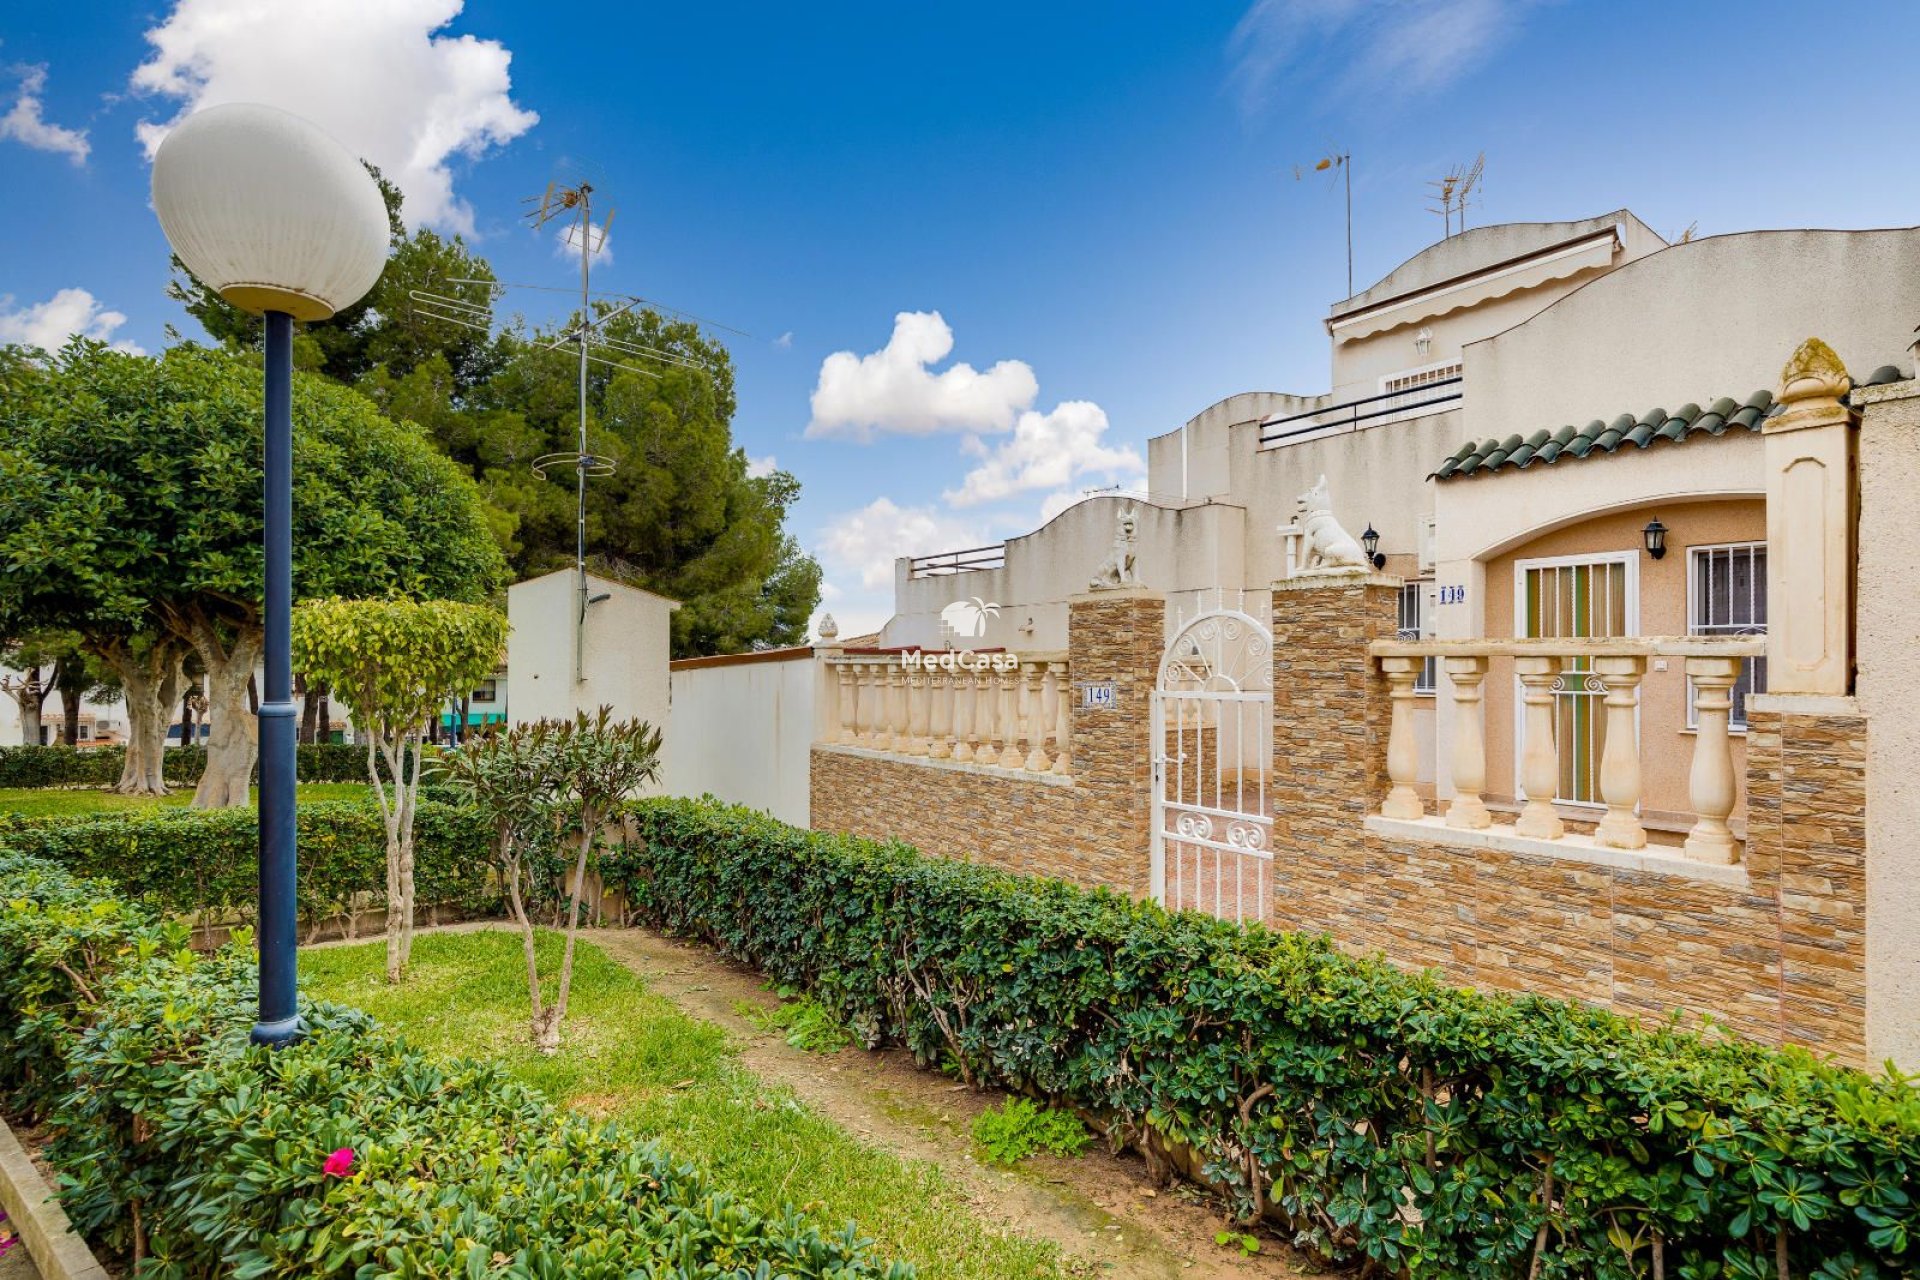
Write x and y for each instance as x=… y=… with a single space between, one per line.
x=968 y=618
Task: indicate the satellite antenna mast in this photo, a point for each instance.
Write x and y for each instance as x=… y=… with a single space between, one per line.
x=558 y=203
x=596 y=345
x=1343 y=161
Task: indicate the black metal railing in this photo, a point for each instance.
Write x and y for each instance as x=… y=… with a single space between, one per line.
x=971 y=560
x=1349 y=415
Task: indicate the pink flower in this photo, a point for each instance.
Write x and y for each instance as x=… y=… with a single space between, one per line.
x=339 y=1164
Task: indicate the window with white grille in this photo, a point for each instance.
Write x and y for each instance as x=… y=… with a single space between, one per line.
x=1413 y=379
x=1727 y=596
x=1416 y=624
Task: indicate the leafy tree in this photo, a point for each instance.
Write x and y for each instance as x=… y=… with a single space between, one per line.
x=510 y=778
x=131 y=509
x=679 y=515
x=602 y=762
x=395 y=663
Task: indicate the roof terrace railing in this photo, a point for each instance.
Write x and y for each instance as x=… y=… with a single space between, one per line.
x=971 y=560
x=1316 y=422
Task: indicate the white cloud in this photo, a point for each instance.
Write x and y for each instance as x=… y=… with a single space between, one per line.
x=857 y=550
x=892 y=390
x=373 y=73
x=24 y=124
x=49 y=324
x=566 y=242
x=1046 y=451
x=784 y=341
x=760 y=468
x=860 y=546
x=1367 y=46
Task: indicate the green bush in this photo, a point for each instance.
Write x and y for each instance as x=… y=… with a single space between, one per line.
x=100 y=766
x=1019 y=1128
x=1383 y=1115
x=184 y=861
x=170 y=1129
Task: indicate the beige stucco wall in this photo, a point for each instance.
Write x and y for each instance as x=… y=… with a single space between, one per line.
x=1175 y=551
x=1666 y=745
x=1888 y=639
x=741 y=731
x=628 y=641
x=1504 y=284
x=1714 y=317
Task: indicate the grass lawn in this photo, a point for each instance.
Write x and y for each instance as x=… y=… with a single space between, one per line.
x=41 y=802
x=633 y=1055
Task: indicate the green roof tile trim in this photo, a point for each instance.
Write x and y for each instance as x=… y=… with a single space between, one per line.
x=1597 y=437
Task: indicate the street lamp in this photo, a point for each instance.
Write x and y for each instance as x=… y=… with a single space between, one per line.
x=280 y=220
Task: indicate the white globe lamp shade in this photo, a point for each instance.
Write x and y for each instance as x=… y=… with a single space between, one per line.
x=268 y=211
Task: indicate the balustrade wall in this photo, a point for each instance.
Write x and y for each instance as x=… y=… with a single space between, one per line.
x=1615 y=668
x=915 y=706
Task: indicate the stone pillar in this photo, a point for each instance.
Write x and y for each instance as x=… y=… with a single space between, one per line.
x=1888 y=621
x=1331 y=718
x=1116 y=636
x=1403 y=753
x=1810 y=526
x=1539 y=748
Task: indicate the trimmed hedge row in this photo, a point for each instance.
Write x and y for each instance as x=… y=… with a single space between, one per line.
x=100 y=766
x=1433 y=1130
x=210 y=1156
x=186 y=861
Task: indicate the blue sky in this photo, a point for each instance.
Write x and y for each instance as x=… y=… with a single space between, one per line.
x=1098 y=199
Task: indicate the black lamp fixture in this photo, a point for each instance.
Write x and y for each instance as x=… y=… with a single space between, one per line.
x=1371 y=541
x=1656 y=535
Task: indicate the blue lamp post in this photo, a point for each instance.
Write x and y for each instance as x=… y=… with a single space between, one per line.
x=280 y=220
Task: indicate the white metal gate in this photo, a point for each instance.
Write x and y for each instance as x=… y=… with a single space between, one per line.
x=1212 y=737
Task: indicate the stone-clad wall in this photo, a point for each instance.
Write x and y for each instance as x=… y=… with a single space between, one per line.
x=1091 y=828
x=1780 y=959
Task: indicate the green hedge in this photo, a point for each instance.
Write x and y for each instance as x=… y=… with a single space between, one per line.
x=135 y=1051
x=1433 y=1130
x=100 y=766
x=184 y=861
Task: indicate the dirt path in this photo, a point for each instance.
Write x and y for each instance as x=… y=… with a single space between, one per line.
x=1101 y=1209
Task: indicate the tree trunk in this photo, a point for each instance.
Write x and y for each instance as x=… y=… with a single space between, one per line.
x=151 y=684
x=326 y=716
x=70 y=678
x=29 y=693
x=549 y=1034
x=309 y=706
x=186 y=714
x=233 y=738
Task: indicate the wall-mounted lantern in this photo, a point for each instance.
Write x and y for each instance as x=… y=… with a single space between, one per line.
x=1656 y=535
x=1371 y=541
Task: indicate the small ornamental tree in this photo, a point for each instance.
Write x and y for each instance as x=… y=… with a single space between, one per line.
x=395 y=663
x=511 y=779
x=602 y=762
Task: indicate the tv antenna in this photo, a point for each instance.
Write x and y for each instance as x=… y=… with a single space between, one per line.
x=469 y=302
x=1455 y=190
x=1342 y=161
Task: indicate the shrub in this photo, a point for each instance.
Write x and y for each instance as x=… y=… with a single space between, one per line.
x=100 y=766
x=1019 y=1128
x=188 y=861
x=1381 y=1114
x=804 y=1022
x=345 y=1154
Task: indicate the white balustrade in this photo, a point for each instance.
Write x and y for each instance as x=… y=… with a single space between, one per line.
x=1018 y=719
x=1612 y=669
